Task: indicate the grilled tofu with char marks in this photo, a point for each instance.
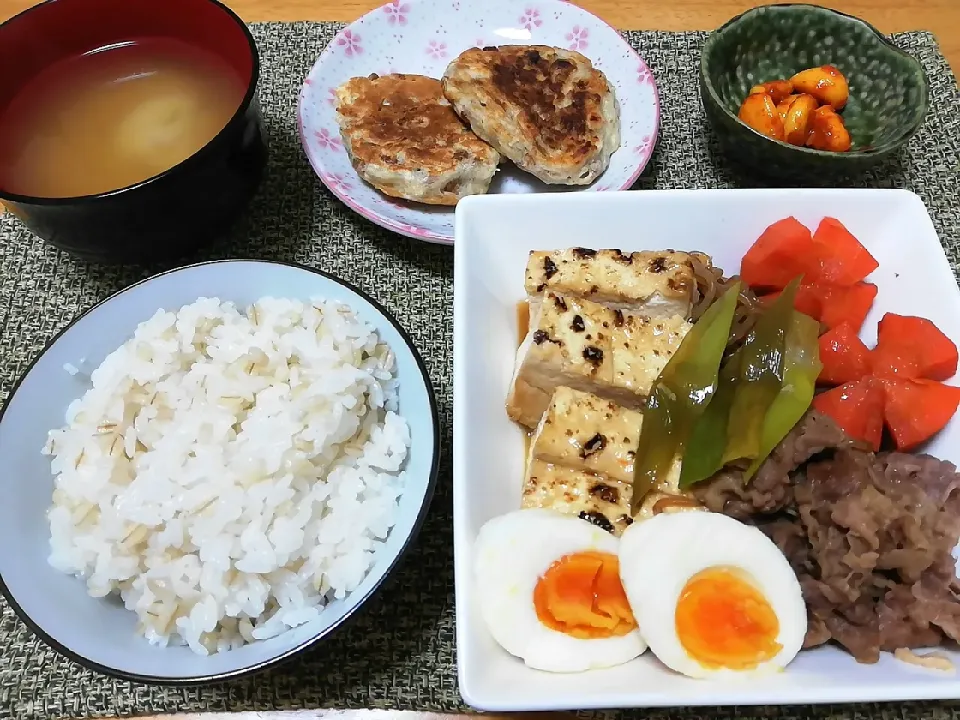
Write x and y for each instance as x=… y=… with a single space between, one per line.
x=604 y=502
x=581 y=462
x=652 y=283
x=586 y=432
x=590 y=347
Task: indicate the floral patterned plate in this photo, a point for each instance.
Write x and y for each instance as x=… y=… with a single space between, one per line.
x=423 y=36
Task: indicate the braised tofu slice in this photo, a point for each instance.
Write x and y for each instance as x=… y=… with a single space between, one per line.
x=581 y=461
x=587 y=346
x=582 y=431
x=604 y=502
x=652 y=283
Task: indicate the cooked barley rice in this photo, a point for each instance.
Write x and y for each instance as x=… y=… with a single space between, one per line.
x=230 y=471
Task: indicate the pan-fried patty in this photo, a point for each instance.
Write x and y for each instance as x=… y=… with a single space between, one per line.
x=546 y=109
x=404 y=138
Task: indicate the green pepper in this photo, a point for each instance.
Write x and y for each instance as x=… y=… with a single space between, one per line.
x=760 y=379
x=801 y=367
x=709 y=435
x=681 y=393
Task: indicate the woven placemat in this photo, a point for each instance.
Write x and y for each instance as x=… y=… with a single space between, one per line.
x=400 y=652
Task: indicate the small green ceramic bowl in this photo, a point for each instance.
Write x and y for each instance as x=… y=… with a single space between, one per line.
x=888 y=88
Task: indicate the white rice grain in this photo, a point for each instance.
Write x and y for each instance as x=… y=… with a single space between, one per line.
x=229 y=472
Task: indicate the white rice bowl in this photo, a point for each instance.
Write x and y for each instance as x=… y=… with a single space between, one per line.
x=230 y=471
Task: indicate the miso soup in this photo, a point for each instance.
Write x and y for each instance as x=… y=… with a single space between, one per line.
x=114 y=117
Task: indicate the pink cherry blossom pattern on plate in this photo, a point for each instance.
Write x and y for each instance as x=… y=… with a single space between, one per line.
x=337 y=182
x=332 y=96
x=397 y=12
x=531 y=19
x=577 y=38
x=437 y=50
x=644 y=75
x=412 y=229
x=327 y=140
x=644 y=147
x=350 y=42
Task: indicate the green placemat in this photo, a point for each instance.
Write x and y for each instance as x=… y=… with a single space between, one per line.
x=400 y=652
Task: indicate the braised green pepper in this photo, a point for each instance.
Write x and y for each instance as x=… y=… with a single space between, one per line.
x=760 y=378
x=680 y=395
x=801 y=367
x=709 y=434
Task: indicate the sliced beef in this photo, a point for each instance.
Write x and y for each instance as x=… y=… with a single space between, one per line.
x=771 y=490
x=870 y=536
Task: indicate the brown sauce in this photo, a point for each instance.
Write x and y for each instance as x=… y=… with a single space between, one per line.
x=523 y=325
x=523 y=320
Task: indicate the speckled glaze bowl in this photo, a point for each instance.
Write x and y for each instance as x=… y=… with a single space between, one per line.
x=888 y=88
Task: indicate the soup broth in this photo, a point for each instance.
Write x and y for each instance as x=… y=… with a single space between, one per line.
x=114 y=117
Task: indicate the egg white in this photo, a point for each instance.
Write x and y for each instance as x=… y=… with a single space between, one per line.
x=511 y=553
x=659 y=556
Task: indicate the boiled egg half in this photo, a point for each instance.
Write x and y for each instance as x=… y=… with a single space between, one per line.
x=549 y=590
x=713 y=597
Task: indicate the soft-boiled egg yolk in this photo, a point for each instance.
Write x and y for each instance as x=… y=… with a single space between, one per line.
x=723 y=620
x=548 y=587
x=581 y=595
x=712 y=597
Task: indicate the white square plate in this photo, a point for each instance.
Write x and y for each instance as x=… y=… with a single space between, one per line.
x=493 y=237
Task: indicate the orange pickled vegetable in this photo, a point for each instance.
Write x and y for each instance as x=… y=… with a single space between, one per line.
x=760 y=112
x=778 y=90
x=796 y=114
x=826 y=83
x=827 y=131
